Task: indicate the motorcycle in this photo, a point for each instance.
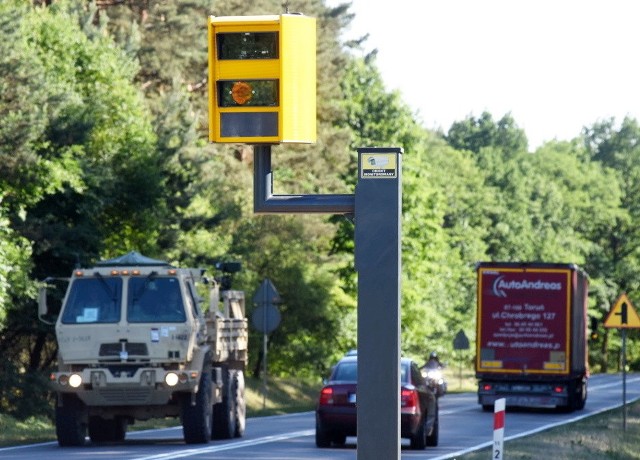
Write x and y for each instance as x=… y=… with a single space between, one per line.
x=435 y=379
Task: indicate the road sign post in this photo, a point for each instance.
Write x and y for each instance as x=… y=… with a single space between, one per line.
x=460 y=343
x=266 y=319
x=623 y=316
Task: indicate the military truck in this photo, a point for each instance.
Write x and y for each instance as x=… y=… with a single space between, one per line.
x=138 y=341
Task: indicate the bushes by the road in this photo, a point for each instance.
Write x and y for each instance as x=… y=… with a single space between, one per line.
x=31 y=430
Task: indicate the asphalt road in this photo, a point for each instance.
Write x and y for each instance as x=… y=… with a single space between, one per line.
x=464 y=427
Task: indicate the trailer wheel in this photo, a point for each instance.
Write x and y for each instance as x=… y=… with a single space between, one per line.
x=582 y=397
x=240 y=403
x=224 y=412
x=196 y=419
x=578 y=396
x=71 y=427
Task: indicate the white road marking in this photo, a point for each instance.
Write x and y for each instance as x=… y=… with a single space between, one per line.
x=235 y=445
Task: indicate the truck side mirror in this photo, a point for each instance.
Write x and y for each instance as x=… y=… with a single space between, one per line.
x=42 y=305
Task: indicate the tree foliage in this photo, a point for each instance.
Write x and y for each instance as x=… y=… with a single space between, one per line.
x=103 y=149
x=85 y=181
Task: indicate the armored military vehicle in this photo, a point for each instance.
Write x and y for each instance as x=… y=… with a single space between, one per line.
x=138 y=341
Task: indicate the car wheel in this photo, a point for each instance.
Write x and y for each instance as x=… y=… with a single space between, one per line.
x=322 y=435
x=339 y=439
x=418 y=440
x=432 y=437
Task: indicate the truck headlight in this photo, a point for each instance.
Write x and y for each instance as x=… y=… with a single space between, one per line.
x=75 y=380
x=171 y=379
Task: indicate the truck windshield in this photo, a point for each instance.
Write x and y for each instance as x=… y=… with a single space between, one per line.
x=153 y=299
x=93 y=300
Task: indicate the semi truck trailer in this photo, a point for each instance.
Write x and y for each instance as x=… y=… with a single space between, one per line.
x=531 y=337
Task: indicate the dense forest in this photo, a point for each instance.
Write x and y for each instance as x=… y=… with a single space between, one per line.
x=104 y=150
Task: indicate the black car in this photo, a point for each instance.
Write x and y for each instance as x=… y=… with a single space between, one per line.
x=336 y=408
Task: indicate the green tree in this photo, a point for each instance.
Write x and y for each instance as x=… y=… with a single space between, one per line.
x=310 y=330
x=617 y=260
x=475 y=133
x=98 y=131
x=212 y=202
x=556 y=204
x=442 y=226
x=85 y=182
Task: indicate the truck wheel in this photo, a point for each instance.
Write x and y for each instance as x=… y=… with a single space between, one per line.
x=196 y=419
x=71 y=427
x=224 y=412
x=120 y=428
x=240 y=403
x=103 y=430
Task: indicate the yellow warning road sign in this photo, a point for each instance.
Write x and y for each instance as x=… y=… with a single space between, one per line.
x=623 y=315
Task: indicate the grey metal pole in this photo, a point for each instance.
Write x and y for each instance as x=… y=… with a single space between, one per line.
x=377 y=205
x=378 y=263
x=624 y=379
x=264 y=366
x=265 y=202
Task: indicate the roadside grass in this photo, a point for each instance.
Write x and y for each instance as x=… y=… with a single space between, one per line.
x=599 y=437
x=32 y=430
x=283 y=396
x=460 y=380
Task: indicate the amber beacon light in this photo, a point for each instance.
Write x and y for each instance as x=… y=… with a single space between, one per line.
x=262 y=79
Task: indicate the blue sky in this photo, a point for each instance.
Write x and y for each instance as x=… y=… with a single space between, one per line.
x=555 y=65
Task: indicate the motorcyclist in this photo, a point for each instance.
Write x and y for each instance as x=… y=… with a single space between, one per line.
x=433 y=362
x=432 y=371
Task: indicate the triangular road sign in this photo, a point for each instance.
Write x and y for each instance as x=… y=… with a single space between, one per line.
x=623 y=315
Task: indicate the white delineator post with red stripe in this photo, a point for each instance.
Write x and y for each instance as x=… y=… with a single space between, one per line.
x=498 y=429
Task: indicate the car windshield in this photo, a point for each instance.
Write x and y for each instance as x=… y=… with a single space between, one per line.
x=93 y=300
x=153 y=299
x=347 y=371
